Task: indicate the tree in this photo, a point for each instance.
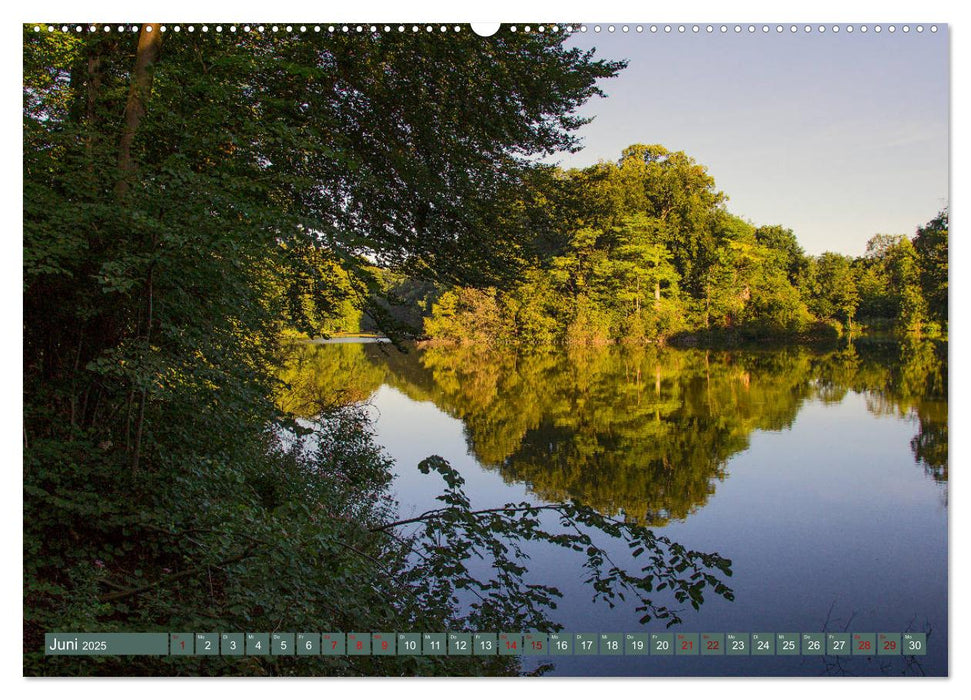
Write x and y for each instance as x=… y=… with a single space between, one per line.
x=677 y=191
x=931 y=246
x=834 y=293
x=904 y=274
x=792 y=257
x=891 y=282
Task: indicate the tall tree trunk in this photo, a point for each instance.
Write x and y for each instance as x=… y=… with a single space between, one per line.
x=146 y=55
x=149 y=46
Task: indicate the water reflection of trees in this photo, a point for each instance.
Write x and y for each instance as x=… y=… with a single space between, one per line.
x=315 y=378
x=907 y=380
x=640 y=431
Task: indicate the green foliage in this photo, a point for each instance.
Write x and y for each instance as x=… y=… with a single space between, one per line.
x=468 y=316
x=182 y=206
x=901 y=281
x=639 y=251
x=931 y=246
x=791 y=255
x=643 y=250
x=833 y=286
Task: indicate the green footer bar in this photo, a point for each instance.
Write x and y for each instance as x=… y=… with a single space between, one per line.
x=107 y=644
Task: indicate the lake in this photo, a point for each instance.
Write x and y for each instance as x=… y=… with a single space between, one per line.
x=821 y=474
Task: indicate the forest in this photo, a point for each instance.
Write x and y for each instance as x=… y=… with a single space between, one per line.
x=194 y=202
x=644 y=250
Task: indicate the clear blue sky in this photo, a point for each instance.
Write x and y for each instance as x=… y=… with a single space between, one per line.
x=837 y=136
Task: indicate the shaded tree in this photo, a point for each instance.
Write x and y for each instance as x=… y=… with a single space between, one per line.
x=931 y=246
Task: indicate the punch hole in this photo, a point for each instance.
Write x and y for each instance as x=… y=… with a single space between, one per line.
x=485 y=28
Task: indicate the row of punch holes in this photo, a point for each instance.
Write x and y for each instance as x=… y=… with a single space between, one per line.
x=541 y=28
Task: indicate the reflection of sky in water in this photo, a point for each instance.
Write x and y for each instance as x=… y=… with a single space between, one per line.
x=827 y=523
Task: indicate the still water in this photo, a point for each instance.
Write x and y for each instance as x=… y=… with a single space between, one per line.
x=822 y=476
